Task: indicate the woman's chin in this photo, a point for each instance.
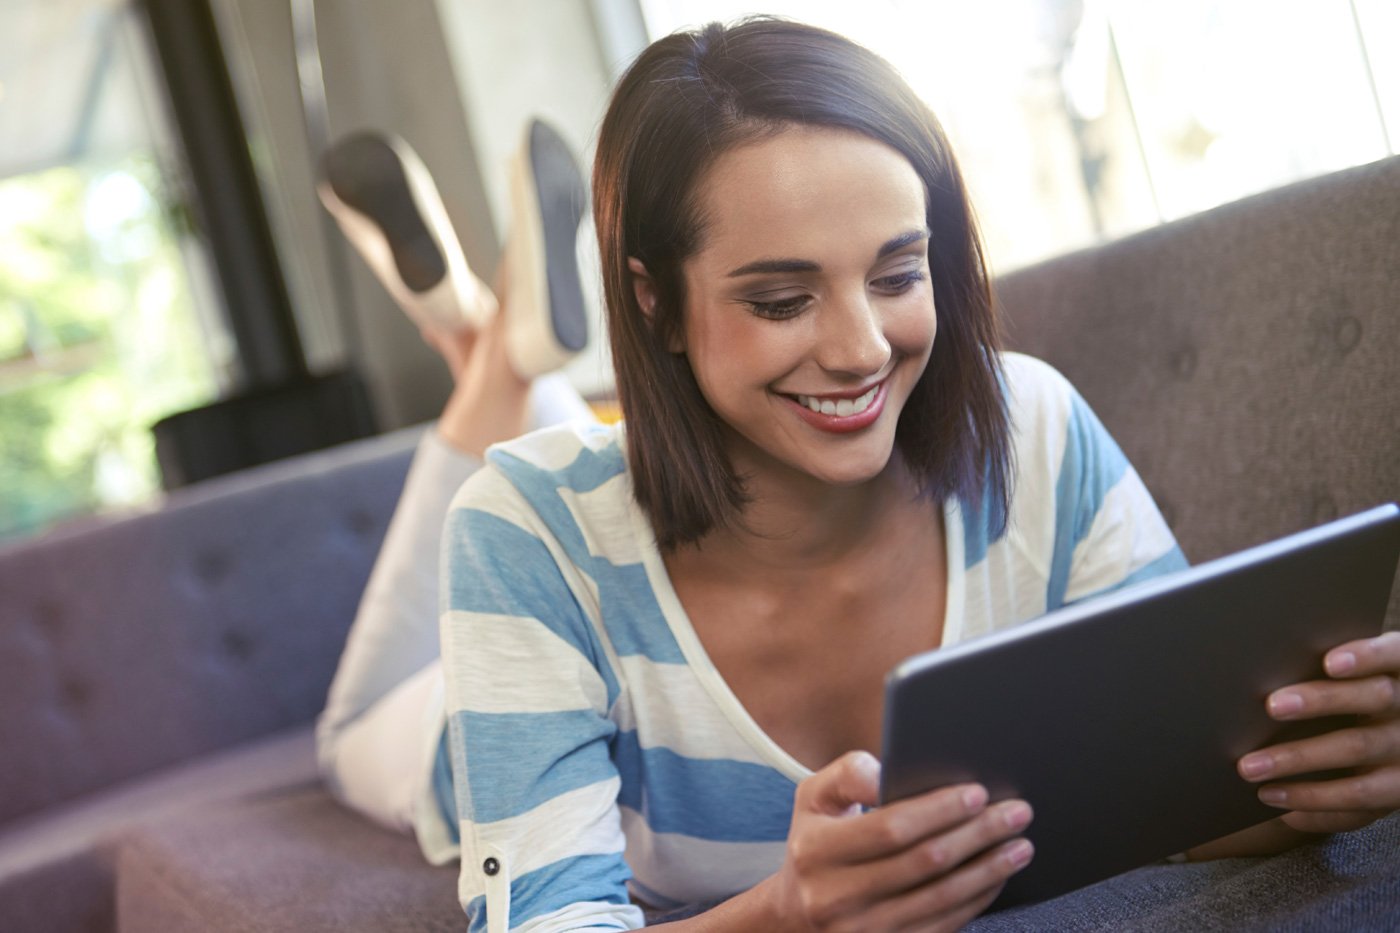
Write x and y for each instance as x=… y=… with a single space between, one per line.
x=848 y=473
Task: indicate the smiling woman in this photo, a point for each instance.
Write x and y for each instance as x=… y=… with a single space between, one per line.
x=664 y=643
x=688 y=620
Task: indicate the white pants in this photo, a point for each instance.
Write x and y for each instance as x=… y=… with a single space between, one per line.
x=373 y=741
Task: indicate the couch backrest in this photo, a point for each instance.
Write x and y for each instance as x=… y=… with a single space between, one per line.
x=1246 y=359
x=130 y=644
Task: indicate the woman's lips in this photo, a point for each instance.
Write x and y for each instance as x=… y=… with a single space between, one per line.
x=840 y=415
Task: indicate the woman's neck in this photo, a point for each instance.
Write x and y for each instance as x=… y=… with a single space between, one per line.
x=794 y=522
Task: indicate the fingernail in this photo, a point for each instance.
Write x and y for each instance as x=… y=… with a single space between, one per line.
x=1273 y=796
x=974 y=797
x=1017 y=815
x=1285 y=704
x=1256 y=766
x=1343 y=663
x=1018 y=854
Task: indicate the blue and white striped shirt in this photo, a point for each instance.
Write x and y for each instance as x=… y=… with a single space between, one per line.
x=592 y=751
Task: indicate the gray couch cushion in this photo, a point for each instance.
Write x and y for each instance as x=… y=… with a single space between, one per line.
x=292 y=861
x=74 y=893
x=56 y=870
x=1350 y=882
x=128 y=645
x=1247 y=359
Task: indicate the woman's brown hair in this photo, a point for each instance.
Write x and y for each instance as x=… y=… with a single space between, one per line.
x=686 y=100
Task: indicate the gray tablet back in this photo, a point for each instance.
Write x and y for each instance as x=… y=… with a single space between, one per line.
x=1120 y=720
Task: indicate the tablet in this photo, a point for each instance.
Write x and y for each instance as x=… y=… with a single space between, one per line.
x=1120 y=719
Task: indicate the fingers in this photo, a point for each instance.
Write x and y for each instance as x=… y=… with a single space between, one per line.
x=1331 y=821
x=965 y=913
x=1366 y=684
x=960 y=896
x=1367 y=673
x=998 y=824
x=853 y=780
x=898 y=826
x=1369 y=744
x=1375 y=695
x=1366 y=656
x=937 y=856
x=1378 y=789
x=933 y=861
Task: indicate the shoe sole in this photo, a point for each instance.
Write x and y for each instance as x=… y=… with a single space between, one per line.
x=547 y=321
x=562 y=200
x=367 y=175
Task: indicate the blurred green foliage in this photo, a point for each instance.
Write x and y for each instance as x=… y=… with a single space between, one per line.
x=98 y=339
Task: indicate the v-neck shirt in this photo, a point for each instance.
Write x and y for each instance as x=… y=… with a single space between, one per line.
x=592 y=751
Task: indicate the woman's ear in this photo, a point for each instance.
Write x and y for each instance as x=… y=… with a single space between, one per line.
x=644 y=288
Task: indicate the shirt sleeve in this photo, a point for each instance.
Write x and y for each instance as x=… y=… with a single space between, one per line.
x=1108 y=532
x=528 y=689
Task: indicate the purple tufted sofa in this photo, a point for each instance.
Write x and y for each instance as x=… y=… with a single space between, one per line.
x=159 y=672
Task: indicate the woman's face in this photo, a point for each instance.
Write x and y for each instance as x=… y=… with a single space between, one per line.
x=809 y=313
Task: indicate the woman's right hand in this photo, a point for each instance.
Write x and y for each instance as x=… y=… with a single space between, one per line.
x=931 y=862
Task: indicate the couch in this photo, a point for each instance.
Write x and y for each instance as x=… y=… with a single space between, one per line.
x=160 y=670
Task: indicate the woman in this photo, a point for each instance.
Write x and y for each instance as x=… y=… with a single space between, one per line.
x=662 y=645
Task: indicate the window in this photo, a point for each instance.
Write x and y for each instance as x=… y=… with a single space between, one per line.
x=107 y=315
x=1080 y=120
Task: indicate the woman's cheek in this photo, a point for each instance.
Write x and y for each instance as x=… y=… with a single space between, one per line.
x=914 y=327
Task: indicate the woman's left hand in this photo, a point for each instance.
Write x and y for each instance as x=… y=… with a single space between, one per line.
x=1364 y=680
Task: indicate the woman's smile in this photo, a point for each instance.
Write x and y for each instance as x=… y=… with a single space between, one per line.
x=809 y=313
x=841 y=412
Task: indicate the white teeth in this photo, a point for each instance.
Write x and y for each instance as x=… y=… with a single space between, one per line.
x=840 y=409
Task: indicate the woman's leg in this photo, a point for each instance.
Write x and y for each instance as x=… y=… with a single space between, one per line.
x=368 y=739
x=386 y=675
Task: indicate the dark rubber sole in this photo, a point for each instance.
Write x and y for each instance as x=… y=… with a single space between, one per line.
x=364 y=171
x=562 y=199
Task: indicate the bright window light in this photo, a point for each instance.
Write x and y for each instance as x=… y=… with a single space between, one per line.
x=1078 y=122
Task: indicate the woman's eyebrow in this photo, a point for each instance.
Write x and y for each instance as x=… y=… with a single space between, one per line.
x=770 y=266
x=901 y=241
x=775 y=265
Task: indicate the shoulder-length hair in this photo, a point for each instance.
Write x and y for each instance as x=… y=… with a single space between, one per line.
x=689 y=98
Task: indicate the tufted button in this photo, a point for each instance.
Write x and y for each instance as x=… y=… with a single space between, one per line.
x=1183 y=363
x=360 y=522
x=237 y=645
x=1333 y=330
x=76 y=693
x=491 y=866
x=1347 y=334
x=211 y=567
x=49 y=616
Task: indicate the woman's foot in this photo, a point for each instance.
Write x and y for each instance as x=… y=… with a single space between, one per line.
x=490 y=402
x=546 y=319
x=388 y=207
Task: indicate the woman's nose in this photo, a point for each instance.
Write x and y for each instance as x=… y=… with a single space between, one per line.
x=852 y=338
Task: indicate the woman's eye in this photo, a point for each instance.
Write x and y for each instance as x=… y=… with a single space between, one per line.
x=899 y=283
x=781 y=308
